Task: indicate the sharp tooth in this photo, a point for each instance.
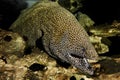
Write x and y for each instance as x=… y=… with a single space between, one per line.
x=86 y=62
x=92 y=61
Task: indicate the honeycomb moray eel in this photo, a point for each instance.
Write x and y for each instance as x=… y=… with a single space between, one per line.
x=62 y=36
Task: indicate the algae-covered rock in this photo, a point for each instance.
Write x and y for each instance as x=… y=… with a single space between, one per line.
x=11 y=43
x=99 y=45
x=84 y=20
x=106 y=30
x=12 y=72
x=99 y=35
x=25 y=68
x=71 y=5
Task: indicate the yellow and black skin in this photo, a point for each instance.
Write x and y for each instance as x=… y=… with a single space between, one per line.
x=62 y=36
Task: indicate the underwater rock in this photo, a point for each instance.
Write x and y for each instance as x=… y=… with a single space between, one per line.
x=107 y=68
x=12 y=72
x=106 y=30
x=62 y=36
x=52 y=69
x=71 y=5
x=11 y=43
x=84 y=20
x=115 y=76
x=36 y=56
x=99 y=45
x=101 y=33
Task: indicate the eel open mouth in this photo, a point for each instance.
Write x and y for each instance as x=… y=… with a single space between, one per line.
x=80 y=62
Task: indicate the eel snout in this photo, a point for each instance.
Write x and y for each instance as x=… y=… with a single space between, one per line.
x=80 y=62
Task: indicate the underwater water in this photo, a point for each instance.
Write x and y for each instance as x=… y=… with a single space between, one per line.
x=31 y=2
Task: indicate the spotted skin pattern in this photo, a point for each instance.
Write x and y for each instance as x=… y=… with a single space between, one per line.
x=62 y=36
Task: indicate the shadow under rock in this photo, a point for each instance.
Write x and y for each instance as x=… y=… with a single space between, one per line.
x=109 y=66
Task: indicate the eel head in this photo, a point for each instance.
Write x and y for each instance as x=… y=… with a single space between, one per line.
x=80 y=61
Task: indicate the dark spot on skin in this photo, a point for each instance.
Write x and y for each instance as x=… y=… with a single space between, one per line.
x=72 y=78
x=37 y=67
x=8 y=38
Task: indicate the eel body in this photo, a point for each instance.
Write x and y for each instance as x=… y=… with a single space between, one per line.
x=62 y=36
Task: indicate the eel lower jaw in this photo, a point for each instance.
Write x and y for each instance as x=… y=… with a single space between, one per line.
x=81 y=63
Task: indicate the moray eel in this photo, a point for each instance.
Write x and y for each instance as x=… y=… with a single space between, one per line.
x=62 y=36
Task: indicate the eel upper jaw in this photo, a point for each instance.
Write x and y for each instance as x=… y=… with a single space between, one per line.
x=81 y=63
